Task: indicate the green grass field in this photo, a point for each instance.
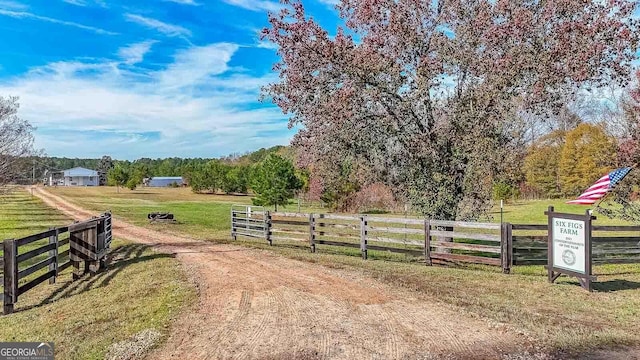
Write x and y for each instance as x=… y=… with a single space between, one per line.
x=560 y=316
x=141 y=290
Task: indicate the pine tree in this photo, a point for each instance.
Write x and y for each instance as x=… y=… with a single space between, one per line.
x=274 y=182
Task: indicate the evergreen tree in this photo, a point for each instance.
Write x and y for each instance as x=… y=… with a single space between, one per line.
x=274 y=182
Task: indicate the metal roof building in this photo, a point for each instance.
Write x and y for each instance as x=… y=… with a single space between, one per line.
x=79 y=176
x=164 y=181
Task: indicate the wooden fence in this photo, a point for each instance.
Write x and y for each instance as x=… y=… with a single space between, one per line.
x=432 y=240
x=439 y=241
x=88 y=241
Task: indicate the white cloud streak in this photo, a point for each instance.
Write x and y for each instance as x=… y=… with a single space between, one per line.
x=12 y=5
x=85 y=3
x=165 y=28
x=27 y=15
x=135 y=53
x=199 y=105
x=330 y=2
x=263 y=44
x=256 y=5
x=184 y=2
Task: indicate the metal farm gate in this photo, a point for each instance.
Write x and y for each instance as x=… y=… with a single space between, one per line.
x=251 y=221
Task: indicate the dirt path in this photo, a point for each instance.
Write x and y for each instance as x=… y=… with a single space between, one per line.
x=255 y=304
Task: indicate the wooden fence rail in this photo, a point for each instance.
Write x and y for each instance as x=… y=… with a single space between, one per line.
x=433 y=240
x=439 y=241
x=88 y=241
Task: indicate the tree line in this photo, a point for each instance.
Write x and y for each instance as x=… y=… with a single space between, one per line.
x=273 y=180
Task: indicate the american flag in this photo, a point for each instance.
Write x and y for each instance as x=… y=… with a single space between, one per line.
x=596 y=191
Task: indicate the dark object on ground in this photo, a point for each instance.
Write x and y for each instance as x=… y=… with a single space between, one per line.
x=161 y=217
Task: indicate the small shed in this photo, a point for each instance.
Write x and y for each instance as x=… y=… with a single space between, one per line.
x=164 y=181
x=80 y=176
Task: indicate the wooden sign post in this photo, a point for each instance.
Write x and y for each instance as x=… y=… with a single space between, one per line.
x=569 y=246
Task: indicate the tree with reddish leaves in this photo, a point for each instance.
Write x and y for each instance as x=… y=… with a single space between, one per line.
x=426 y=96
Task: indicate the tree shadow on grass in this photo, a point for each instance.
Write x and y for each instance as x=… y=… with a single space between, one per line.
x=607 y=286
x=615 y=285
x=120 y=258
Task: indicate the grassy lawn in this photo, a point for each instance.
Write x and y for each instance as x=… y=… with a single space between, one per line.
x=141 y=290
x=532 y=212
x=558 y=317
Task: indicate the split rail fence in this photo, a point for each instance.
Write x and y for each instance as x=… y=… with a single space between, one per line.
x=434 y=241
x=87 y=241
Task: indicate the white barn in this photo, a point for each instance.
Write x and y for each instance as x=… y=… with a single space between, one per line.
x=80 y=176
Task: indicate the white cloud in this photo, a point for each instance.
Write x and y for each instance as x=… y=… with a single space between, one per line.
x=199 y=105
x=84 y=3
x=27 y=15
x=12 y=5
x=256 y=5
x=165 y=28
x=263 y=44
x=135 y=53
x=196 y=65
x=330 y=2
x=184 y=2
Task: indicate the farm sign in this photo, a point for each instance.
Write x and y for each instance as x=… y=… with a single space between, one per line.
x=568 y=243
x=569 y=246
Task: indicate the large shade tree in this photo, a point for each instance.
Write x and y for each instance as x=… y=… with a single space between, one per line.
x=16 y=142
x=424 y=96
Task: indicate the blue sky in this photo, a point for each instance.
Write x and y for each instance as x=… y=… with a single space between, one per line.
x=144 y=78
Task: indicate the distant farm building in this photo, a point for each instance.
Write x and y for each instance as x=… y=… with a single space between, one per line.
x=164 y=181
x=77 y=176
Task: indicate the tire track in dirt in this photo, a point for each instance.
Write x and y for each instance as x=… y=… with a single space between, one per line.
x=391 y=345
x=254 y=304
x=260 y=330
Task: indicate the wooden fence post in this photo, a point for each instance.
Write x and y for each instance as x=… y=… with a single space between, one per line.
x=233 y=225
x=363 y=236
x=427 y=241
x=267 y=227
x=10 y=275
x=509 y=246
x=312 y=235
x=506 y=247
x=53 y=239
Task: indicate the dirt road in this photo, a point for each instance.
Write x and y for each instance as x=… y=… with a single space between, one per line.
x=255 y=304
